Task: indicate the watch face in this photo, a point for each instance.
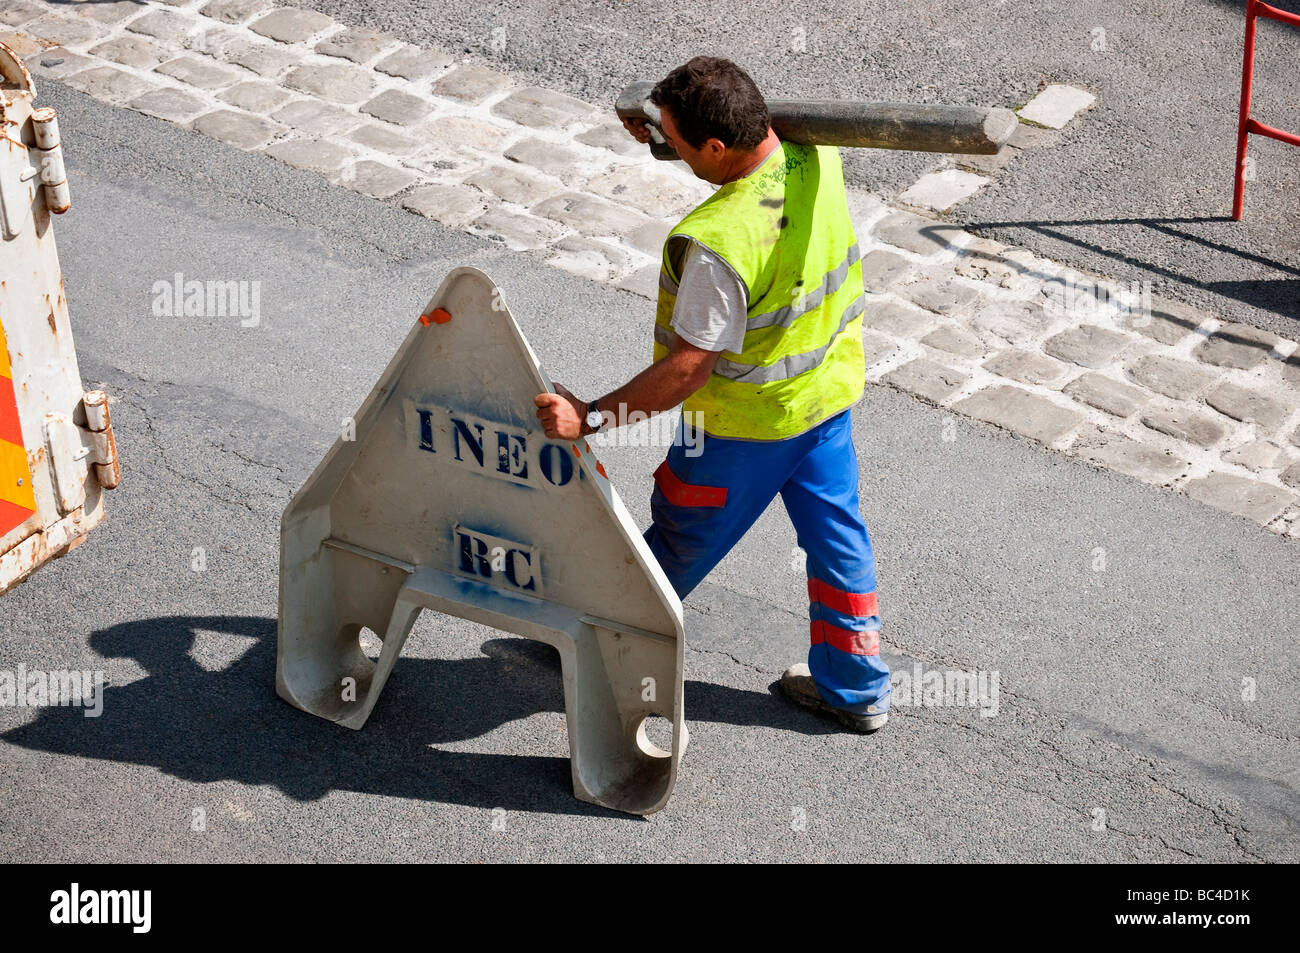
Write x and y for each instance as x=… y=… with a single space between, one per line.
x=595 y=419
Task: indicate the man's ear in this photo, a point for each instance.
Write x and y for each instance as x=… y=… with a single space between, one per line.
x=715 y=147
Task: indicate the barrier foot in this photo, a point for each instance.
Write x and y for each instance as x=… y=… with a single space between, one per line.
x=615 y=676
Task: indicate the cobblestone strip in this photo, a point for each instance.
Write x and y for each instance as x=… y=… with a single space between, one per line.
x=961 y=176
x=1123 y=378
x=445 y=138
x=1128 y=381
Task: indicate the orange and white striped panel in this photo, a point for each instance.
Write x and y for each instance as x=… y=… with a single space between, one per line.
x=17 y=502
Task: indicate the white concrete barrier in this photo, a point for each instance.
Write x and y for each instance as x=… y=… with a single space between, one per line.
x=451 y=498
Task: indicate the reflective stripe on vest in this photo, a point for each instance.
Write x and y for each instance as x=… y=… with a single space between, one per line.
x=830 y=284
x=790 y=366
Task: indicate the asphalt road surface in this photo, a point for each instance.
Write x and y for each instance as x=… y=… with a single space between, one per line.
x=1137 y=189
x=1144 y=644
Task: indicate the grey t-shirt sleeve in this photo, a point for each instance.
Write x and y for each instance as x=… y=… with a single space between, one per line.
x=712 y=301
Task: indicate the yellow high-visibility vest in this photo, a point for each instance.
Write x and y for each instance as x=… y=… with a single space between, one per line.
x=785 y=230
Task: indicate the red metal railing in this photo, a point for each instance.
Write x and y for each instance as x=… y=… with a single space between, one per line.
x=1246 y=125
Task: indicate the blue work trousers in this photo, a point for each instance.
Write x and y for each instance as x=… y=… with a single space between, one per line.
x=703 y=504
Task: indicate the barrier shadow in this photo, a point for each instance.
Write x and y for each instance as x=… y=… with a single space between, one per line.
x=204 y=726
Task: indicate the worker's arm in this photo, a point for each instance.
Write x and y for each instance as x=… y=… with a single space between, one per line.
x=661 y=386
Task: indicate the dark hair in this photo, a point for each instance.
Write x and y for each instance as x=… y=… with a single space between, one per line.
x=713 y=98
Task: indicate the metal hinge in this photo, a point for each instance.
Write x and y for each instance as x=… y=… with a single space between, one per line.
x=107 y=469
x=45 y=127
x=75 y=452
x=18 y=177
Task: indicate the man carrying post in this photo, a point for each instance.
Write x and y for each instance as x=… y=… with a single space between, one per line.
x=758 y=333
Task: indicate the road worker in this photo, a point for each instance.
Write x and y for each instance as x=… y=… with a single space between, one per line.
x=758 y=335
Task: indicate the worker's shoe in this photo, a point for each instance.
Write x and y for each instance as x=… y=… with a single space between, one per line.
x=798 y=685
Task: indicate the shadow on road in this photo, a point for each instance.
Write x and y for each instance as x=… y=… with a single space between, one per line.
x=1279 y=295
x=205 y=726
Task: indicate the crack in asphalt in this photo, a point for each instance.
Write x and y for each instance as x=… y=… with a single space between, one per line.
x=1229 y=716
x=137 y=401
x=1061 y=727
x=742 y=664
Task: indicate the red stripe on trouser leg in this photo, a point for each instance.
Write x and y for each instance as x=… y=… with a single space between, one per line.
x=686 y=494
x=846 y=640
x=850 y=603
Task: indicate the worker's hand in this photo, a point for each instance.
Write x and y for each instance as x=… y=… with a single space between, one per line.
x=562 y=415
x=639 y=129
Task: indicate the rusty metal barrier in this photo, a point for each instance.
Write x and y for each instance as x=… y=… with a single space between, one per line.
x=1246 y=125
x=57 y=450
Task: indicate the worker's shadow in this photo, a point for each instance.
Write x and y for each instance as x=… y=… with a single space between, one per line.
x=205 y=726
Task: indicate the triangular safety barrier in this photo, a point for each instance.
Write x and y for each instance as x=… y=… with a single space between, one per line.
x=451 y=498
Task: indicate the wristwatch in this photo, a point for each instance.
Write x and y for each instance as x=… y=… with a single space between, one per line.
x=595 y=419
